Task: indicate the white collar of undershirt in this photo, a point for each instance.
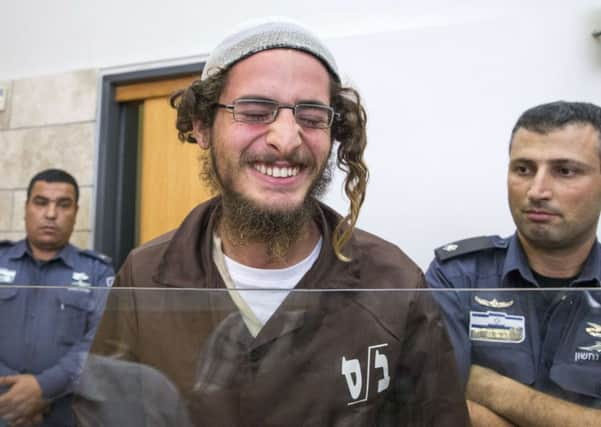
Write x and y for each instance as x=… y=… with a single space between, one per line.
x=245 y=277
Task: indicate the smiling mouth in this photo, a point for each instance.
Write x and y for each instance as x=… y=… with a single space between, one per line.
x=276 y=171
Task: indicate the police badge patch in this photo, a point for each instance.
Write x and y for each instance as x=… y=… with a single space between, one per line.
x=80 y=282
x=494 y=326
x=7 y=276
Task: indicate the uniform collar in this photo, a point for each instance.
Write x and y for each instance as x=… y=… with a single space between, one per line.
x=516 y=261
x=188 y=263
x=67 y=254
x=591 y=271
x=19 y=250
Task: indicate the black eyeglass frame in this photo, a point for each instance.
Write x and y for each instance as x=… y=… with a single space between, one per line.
x=276 y=110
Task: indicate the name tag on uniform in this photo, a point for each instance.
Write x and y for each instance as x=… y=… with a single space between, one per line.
x=497 y=326
x=80 y=282
x=7 y=276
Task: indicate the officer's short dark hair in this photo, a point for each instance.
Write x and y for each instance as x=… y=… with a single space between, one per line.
x=546 y=118
x=54 y=175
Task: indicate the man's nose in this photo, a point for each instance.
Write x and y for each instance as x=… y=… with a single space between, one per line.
x=540 y=186
x=50 y=210
x=284 y=133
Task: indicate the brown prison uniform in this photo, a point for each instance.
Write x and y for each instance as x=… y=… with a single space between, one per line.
x=333 y=358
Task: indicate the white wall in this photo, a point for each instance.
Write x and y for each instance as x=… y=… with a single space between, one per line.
x=443 y=82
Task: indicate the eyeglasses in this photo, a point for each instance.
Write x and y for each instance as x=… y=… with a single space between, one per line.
x=264 y=111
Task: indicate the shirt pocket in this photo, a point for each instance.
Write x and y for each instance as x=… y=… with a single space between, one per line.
x=7 y=293
x=74 y=309
x=499 y=333
x=511 y=360
x=583 y=380
x=577 y=363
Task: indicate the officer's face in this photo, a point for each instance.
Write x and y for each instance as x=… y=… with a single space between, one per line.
x=50 y=215
x=554 y=187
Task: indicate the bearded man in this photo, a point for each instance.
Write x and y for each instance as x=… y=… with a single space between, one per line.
x=251 y=344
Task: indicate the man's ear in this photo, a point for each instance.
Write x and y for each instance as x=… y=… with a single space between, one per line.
x=200 y=134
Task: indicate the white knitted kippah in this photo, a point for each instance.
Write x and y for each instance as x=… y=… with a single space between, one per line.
x=270 y=33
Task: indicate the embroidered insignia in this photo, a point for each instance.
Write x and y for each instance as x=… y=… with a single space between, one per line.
x=493 y=303
x=496 y=326
x=450 y=248
x=80 y=279
x=593 y=329
x=7 y=276
x=595 y=347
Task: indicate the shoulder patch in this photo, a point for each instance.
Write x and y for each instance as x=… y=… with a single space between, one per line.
x=97 y=255
x=468 y=246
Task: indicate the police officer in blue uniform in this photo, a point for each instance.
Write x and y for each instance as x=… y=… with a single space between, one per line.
x=47 y=329
x=533 y=357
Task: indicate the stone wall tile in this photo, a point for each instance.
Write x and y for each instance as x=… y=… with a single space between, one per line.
x=56 y=99
x=18 y=212
x=6 y=208
x=81 y=239
x=11 y=160
x=83 y=216
x=70 y=147
x=11 y=235
x=5 y=115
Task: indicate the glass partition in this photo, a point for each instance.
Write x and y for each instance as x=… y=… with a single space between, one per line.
x=183 y=357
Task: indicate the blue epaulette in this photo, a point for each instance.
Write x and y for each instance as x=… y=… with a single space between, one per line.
x=468 y=246
x=97 y=255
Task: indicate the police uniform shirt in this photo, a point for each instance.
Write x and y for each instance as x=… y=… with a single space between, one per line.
x=47 y=330
x=549 y=340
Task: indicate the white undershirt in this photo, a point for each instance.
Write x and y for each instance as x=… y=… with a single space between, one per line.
x=264 y=290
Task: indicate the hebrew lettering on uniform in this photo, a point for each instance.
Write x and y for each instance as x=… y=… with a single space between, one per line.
x=381 y=362
x=351 y=369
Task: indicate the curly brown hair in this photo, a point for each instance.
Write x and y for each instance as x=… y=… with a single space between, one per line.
x=197 y=102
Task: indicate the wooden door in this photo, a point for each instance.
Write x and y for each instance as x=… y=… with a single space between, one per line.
x=168 y=183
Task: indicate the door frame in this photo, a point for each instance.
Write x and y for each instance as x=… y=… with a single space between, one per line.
x=116 y=173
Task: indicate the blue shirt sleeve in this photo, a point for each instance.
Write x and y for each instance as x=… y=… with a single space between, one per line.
x=455 y=307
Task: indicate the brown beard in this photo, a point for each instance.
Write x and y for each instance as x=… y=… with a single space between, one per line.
x=245 y=222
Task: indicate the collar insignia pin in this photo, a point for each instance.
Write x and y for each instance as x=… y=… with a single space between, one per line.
x=493 y=303
x=593 y=329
